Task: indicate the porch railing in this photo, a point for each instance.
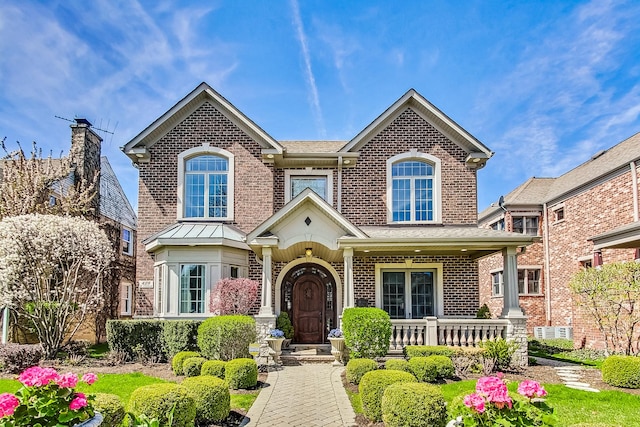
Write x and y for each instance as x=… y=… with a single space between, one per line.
x=452 y=332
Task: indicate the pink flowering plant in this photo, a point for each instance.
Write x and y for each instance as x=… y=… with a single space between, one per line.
x=47 y=398
x=491 y=405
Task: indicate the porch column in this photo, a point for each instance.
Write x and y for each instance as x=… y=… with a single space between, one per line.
x=510 y=283
x=349 y=293
x=266 y=306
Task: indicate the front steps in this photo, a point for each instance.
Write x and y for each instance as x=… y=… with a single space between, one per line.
x=303 y=354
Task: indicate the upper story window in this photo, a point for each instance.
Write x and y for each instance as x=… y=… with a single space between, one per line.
x=298 y=180
x=205 y=183
x=498 y=225
x=413 y=188
x=127 y=241
x=525 y=225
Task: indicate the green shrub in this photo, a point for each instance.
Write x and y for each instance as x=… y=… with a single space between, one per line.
x=192 y=366
x=157 y=400
x=356 y=368
x=177 y=363
x=431 y=368
x=397 y=365
x=366 y=331
x=468 y=360
x=180 y=335
x=212 y=398
x=110 y=407
x=15 y=358
x=241 y=373
x=483 y=312
x=372 y=387
x=413 y=405
x=501 y=352
x=427 y=350
x=136 y=339
x=622 y=371
x=284 y=324
x=214 y=368
x=226 y=337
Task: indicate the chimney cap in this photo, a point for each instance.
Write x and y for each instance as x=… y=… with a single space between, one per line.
x=81 y=121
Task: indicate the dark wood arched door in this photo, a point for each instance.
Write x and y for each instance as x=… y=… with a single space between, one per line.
x=309 y=300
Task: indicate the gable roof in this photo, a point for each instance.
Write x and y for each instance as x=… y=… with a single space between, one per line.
x=136 y=149
x=114 y=204
x=532 y=192
x=433 y=115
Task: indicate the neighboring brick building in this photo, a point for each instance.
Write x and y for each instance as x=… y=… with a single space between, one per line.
x=387 y=219
x=585 y=217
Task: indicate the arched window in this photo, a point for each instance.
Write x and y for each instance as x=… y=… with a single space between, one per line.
x=413 y=188
x=205 y=183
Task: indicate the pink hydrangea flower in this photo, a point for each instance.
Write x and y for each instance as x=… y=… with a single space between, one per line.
x=495 y=390
x=8 y=404
x=529 y=389
x=78 y=402
x=37 y=376
x=69 y=380
x=89 y=378
x=475 y=401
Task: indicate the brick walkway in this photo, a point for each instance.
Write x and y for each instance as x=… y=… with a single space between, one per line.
x=305 y=395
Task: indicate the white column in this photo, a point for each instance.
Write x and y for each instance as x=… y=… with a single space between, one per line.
x=266 y=308
x=349 y=294
x=510 y=279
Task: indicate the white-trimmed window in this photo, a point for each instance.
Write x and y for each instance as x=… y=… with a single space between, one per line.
x=320 y=181
x=525 y=225
x=529 y=281
x=413 y=188
x=192 y=288
x=127 y=241
x=159 y=279
x=558 y=212
x=409 y=291
x=497 y=283
x=126 y=299
x=205 y=183
x=498 y=225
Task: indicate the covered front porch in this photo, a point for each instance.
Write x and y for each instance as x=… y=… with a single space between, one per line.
x=315 y=264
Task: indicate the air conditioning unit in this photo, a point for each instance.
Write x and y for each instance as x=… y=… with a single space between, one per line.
x=548 y=332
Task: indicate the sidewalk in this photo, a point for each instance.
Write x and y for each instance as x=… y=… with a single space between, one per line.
x=305 y=395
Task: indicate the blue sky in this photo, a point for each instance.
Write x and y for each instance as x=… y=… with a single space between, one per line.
x=544 y=84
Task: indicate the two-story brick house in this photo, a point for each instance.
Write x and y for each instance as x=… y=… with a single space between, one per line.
x=585 y=217
x=387 y=219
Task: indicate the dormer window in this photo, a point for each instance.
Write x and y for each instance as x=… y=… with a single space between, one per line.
x=298 y=180
x=205 y=184
x=413 y=188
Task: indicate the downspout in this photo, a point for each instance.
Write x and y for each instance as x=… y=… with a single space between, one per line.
x=547 y=269
x=339 y=204
x=634 y=184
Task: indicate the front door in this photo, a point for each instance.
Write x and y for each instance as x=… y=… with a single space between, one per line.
x=309 y=297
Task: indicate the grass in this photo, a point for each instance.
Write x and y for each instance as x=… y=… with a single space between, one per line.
x=562 y=350
x=243 y=401
x=356 y=401
x=98 y=351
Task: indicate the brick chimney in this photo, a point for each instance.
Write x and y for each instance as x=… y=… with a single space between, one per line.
x=85 y=155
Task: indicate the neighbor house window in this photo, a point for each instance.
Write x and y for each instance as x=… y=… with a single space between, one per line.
x=298 y=180
x=413 y=188
x=127 y=241
x=525 y=225
x=559 y=214
x=205 y=183
x=234 y=272
x=192 y=291
x=126 y=300
x=497 y=284
x=498 y=225
x=408 y=294
x=529 y=281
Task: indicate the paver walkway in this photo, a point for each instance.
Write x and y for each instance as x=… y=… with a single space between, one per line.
x=305 y=395
x=569 y=373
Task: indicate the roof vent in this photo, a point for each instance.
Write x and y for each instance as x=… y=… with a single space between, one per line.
x=598 y=154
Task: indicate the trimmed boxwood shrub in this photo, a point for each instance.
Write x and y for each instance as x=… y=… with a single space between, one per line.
x=110 y=407
x=226 y=337
x=366 y=331
x=241 y=373
x=15 y=358
x=356 y=368
x=212 y=398
x=621 y=371
x=413 y=405
x=372 y=387
x=192 y=366
x=136 y=339
x=180 y=335
x=427 y=350
x=397 y=365
x=214 y=368
x=432 y=368
x=177 y=363
x=157 y=400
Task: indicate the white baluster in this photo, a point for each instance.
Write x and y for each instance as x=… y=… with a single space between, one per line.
x=449 y=332
x=412 y=340
x=441 y=340
x=405 y=336
x=420 y=341
x=398 y=337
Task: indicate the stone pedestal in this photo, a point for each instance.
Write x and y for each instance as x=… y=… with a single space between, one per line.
x=275 y=344
x=517 y=332
x=337 y=350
